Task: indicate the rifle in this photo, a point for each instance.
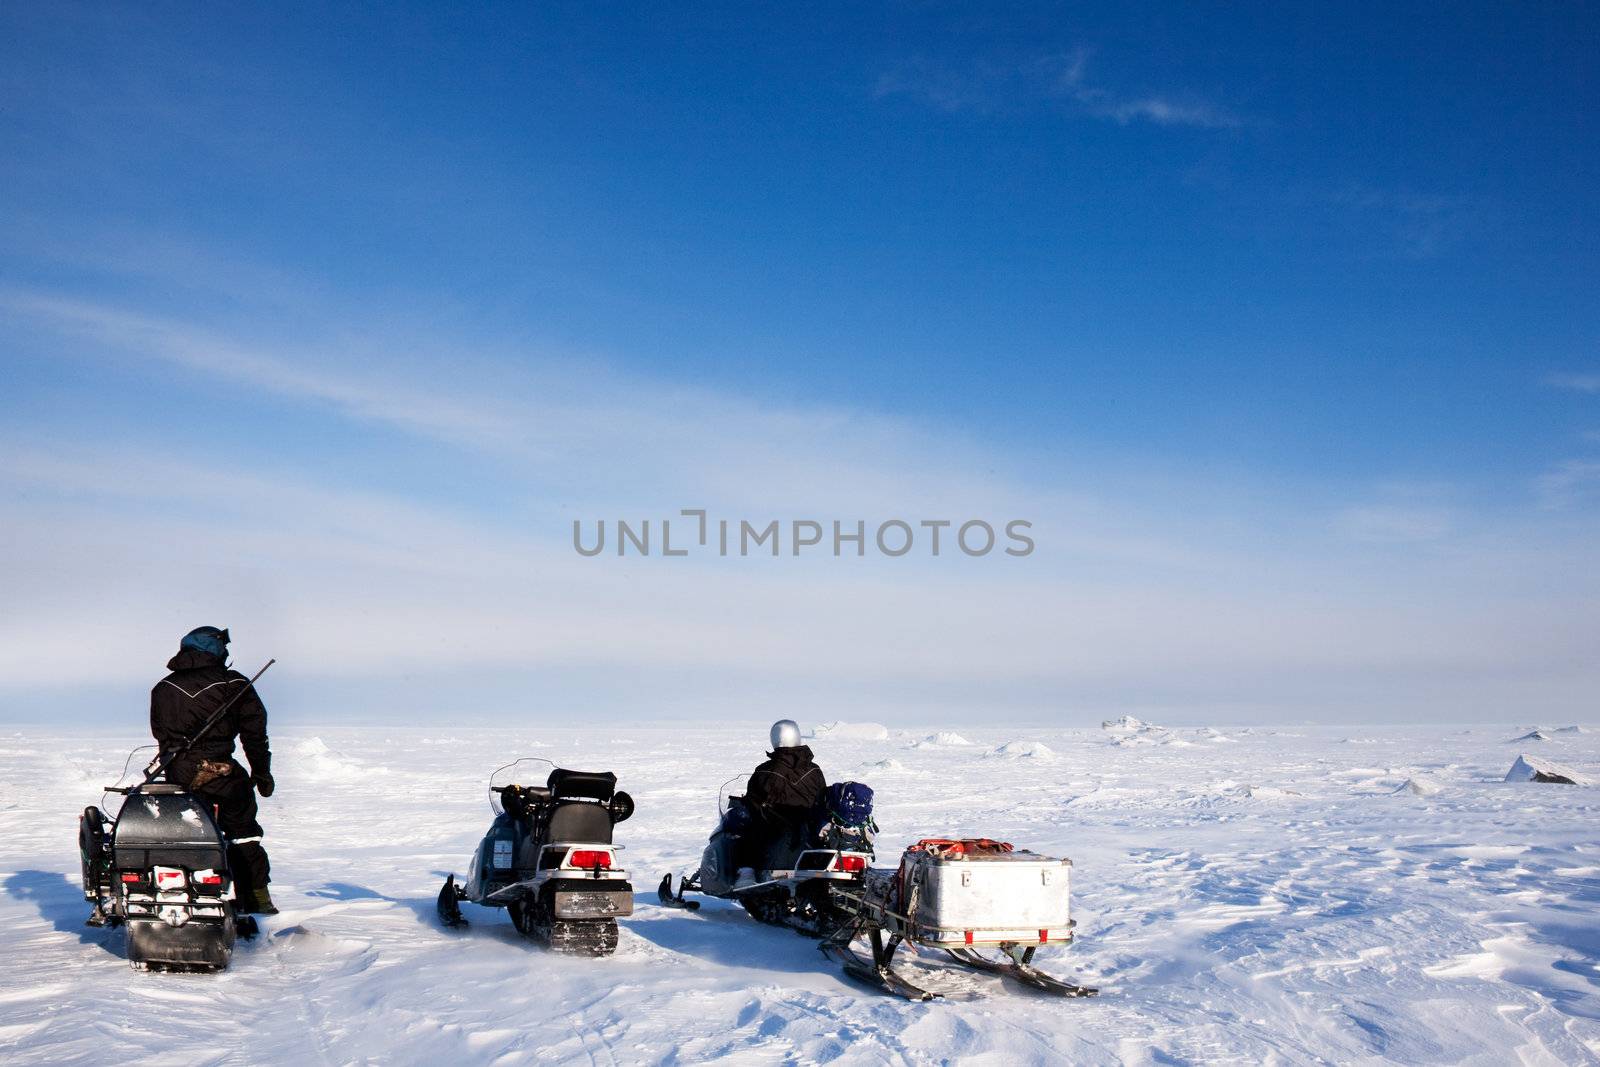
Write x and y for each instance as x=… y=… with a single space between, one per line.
x=159 y=767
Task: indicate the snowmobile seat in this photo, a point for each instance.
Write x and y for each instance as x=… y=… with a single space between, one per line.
x=579 y=822
x=565 y=784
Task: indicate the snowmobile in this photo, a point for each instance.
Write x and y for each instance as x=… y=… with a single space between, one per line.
x=160 y=868
x=957 y=896
x=798 y=869
x=548 y=858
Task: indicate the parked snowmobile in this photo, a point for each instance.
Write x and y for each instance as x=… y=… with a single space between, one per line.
x=548 y=858
x=798 y=870
x=160 y=868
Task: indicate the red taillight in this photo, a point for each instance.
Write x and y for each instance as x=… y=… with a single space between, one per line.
x=589 y=858
x=133 y=878
x=209 y=879
x=853 y=864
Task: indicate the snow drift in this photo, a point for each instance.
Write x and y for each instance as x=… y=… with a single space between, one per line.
x=314 y=760
x=1419 y=786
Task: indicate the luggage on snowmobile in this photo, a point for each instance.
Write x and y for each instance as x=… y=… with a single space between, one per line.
x=797 y=864
x=548 y=858
x=966 y=893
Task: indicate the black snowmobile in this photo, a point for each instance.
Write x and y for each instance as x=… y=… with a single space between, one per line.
x=160 y=868
x=548 y=858
x=798 y=868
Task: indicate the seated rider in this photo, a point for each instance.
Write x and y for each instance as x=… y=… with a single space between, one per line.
x=180 y=704
x=782 y=797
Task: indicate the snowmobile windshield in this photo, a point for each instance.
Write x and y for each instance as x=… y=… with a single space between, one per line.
x=530 y=770
x=133 y=769
x=733 y=787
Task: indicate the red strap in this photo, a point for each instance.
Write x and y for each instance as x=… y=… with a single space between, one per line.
x=946 y=846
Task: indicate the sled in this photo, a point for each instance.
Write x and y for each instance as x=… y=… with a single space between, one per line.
x=960 y=897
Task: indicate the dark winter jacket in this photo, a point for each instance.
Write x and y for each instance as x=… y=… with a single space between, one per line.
x=788 y=787
x=182 y=701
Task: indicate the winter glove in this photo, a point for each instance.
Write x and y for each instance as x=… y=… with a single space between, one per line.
x=264 y=784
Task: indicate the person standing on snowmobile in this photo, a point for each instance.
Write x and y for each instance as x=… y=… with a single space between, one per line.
x=782 y=797
x=180 y=704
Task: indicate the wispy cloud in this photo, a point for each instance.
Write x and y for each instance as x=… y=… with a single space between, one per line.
x=1233 y=596
x=1419 y=225
x=919 y=78
x=1070 y=79
x=1574 y=483
x=1062 y=78
x=1392 y=524
x=1582 y=383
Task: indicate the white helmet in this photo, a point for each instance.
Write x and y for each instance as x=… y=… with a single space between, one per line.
x=785 y=734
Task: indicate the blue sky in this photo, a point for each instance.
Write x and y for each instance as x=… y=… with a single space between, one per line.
x=1281 y=327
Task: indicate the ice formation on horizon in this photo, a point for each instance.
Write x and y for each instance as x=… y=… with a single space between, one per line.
x=1535 y=769
x=1128 y=730
x=850 y=731
x=942 y=739
x=1024 y=750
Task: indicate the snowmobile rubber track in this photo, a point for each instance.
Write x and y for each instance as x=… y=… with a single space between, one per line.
x=580 y=937
x=1020 y=971
x=883 y=978
x=570 y=937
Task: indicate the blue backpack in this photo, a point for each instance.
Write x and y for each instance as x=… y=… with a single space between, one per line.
x=850 y=804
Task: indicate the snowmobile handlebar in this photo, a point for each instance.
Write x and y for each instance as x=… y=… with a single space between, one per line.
x=160 y=766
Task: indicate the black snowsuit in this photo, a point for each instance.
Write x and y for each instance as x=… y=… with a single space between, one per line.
x=783 y=797
x=179 y=705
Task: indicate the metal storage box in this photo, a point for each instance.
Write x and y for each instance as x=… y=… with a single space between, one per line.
x=986 y=898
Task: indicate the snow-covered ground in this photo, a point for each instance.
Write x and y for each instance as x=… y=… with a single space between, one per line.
x=1254 y=896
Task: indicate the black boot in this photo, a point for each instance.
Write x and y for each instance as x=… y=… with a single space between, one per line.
x=262 y=902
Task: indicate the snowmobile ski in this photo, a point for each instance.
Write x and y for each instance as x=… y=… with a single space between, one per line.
x=450 y=904
x=671 y=899
x=877 y=972
x=1019 y=968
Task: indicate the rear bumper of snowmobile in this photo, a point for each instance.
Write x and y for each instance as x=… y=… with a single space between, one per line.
x=588 y=898
x=197 y=944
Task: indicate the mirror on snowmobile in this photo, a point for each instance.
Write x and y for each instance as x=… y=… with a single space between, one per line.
x=530 y=770
x=621 y=806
